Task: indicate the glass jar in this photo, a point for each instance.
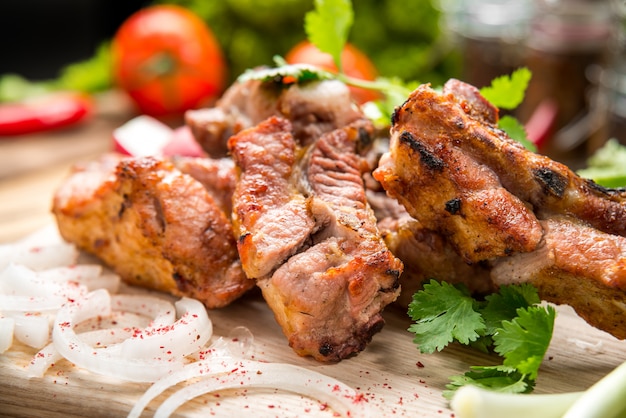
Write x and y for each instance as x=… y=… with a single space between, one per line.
x=489 y=34
x=569 y=46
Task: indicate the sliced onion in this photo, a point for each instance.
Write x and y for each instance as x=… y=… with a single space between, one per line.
x=184 y=337
x=48 y=355
x=38 y=257
x=286 y=377
x=162 y=311
x=136 y=360
x=222 y=356
x=30 y=304
x=6 y=333
x=75 y=273
x=199 y=368
x=32 y=330
x=20 y=280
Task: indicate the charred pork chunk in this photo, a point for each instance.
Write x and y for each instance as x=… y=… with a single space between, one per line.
x=218 y=176
x=309 y=238
x=577 y=265
x=155 y=226
x=313 y=109
x=531 y=219
x=427 y=255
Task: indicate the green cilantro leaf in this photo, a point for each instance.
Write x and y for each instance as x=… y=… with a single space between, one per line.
x=507 y=92
x=443 y=313
x=497 y=378
x=523 y=341
x=503 y=306
x=515 y=130
x=328 y=25
x=511 y=323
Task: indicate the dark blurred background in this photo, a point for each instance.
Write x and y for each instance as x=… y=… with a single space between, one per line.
x=575 y=49
x=39 y=37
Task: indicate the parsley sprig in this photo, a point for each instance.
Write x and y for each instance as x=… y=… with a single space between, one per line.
x=510 y=323
x=507 y=92
x=327 y=27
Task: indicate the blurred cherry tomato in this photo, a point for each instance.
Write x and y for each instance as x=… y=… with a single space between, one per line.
x=355 y=64
x=168 y=60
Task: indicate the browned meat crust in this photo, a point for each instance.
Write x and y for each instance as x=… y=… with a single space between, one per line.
x=445 y=188
x=426 y=255
x=308 y=236
x=577 y=265
x=155 y=226
x=218 y=176
x=312 y=109
x=549 y=186
x=530 y=218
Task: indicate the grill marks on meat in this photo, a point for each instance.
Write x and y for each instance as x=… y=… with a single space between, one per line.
x=549 y=186
x=155 y=226
x=312 y=243
x=447 y=190
x=313 y=109
x=530 y=219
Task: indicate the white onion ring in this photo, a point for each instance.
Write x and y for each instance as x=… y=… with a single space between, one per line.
x=48 y=355
x=24 y=291
x=32 y=330
x=38 y=257
x=140 y=360
x=6 y=333
x=220 y=357
x=286 y=377
x=167 y=339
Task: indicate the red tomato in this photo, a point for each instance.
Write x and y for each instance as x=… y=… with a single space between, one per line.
x=168 y=60
x=355 y=64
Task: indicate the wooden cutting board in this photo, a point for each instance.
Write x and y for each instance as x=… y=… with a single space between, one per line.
x=396 y=379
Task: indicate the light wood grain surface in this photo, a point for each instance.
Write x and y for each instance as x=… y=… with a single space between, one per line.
x=397 y=380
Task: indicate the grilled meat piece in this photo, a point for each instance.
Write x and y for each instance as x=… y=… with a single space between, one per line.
x=218 y=176
x=309 y=238
x=426 y=255
x=578 y=265
x=530 y=218
x=155 y=226
x=446 y=188
x=313 y=109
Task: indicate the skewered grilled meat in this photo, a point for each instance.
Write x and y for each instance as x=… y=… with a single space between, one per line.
x=309 y=238
x=218 y=176
x=155 y=226
x=577 y=265
x=529 y=218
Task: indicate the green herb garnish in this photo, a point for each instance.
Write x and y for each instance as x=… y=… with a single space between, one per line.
x=510 y=323
x=507 y=92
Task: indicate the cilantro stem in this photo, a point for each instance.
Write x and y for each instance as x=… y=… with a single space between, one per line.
x=381 y=85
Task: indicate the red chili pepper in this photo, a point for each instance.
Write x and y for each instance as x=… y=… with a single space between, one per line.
x=43 y=113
